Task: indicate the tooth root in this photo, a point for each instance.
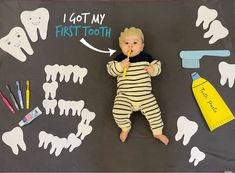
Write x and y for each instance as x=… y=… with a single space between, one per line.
x=13 y=139
x=186 y=129
x=16 y=36
x=217 y=30
x=227 y=73
x=206 y=16
x=196 y=156
x=35 y=20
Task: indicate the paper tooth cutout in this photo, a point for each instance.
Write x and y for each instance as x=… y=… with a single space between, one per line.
x=49 y=105
x=196 y=156
x=217 y=31
x=186 y=128
x=14 y=42
x=50 y=89
x=72 y=142
x=84 y=128
x=51 y=71
x=57 y=144
x=227 y=72
x=205 y=16
x=13 y=139
x=79 y=73
x=191 y=59
x=34 y=21
x=65 y=72
x=75 y=106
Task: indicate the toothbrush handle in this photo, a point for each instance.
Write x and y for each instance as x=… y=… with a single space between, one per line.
x=27 y=99
x=21 y=99
x=7 y=103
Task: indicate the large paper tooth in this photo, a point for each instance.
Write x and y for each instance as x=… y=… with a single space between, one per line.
x=217 y=31
x=76 y=107
x=14 y=42
x=51 y=71
x=64 y=106
x=83 y=130
x=50 y=89
x=87 y=116
x=34 y=21
x=13 y=139
x=44 y=139
x=206 y=16
x=186 y=128
x=65 y=72
x=196 y=156
x=227 y=72
x=72 y=142
x=79 y=73
x=49 y=105
x=57 y=145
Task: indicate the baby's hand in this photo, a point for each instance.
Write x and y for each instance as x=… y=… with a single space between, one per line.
x=125 y=63
x=150 y=69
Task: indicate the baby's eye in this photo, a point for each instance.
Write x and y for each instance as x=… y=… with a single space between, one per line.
x=126 y=43
x=135 y=42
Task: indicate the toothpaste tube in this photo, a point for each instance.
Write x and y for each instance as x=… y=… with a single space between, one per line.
x=30 y=117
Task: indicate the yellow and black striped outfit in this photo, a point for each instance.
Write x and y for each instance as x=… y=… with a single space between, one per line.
x=134 y=91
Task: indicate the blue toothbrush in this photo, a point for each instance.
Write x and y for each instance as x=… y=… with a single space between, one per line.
x=20 y=95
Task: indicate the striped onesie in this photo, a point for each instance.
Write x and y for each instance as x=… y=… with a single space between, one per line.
x=134 y=91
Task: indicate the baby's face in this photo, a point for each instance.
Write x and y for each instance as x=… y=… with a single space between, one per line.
x=132 y=43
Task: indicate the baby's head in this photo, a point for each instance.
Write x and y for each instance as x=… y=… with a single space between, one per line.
x=131 y=39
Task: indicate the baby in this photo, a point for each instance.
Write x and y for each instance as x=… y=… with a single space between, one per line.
x=134 y=88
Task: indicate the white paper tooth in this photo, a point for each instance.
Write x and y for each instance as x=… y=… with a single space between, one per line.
x=79 y=73
x=76 y=107
x=72 y=142
x=14 y=42
x=227 y=73
x=50 y=89
x=65 y=72
x=13 y=139
x=51 y=71
x=196 y=156
x=206 y=16
x=83 y=130
x=64 y=107
x=186 y=128
x=49 y=105
x=44 y=139
x=34 y=21
x=87 y=116
x=217 y=31
x=57 y=145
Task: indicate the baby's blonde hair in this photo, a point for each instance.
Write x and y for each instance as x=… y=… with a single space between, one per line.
x=131 y=31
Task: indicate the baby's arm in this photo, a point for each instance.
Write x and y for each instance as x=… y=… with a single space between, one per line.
x=114 y=68
x=154 y=68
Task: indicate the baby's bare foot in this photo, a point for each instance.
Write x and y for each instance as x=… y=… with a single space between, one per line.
x=162 y=138
x=123 y=135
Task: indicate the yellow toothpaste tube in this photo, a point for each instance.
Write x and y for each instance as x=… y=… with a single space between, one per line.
x=214 y=109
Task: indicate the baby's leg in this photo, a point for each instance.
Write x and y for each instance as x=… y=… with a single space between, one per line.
x=122 y=110
x=151 y=111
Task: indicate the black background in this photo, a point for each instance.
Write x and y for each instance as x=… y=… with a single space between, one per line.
x=169 y=27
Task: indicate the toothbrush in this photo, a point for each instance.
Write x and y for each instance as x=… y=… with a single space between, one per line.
x=125 y=69
x=27 y=94
x=7 y=102
x=12 y=97
x=20 y=95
